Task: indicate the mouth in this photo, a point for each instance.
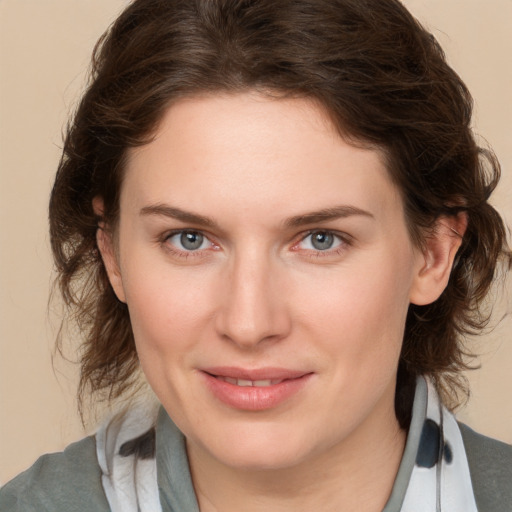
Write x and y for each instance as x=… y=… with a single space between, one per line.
x=254 y=390
x=250 y=383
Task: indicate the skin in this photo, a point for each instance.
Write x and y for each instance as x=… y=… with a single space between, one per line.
x=258 y=293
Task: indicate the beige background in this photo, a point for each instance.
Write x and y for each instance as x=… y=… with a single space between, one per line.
x=44 y=50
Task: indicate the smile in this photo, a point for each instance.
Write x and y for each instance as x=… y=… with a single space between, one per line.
x=254 y=390
x=251 y=383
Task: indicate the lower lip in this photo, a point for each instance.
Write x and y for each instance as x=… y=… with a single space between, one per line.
x=254 y=398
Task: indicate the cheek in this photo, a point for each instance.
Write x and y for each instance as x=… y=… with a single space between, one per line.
x=167 y=313
x=360 y=314
x=165 y=307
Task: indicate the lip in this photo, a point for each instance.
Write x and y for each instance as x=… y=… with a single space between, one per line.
x=254 y=398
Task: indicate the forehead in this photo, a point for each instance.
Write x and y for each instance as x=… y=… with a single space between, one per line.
x=246 y=150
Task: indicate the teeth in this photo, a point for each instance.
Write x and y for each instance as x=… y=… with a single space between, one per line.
x=262 y=383
x=250 y=383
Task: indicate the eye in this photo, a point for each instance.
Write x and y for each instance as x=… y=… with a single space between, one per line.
x=321 y=241
x=189 y=241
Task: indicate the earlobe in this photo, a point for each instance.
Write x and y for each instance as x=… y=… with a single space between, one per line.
x=105 y=243
x=435 y=260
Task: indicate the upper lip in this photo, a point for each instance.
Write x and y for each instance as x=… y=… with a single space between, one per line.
x=255 y=374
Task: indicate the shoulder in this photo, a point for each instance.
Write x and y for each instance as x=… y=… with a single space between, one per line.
x=67 y=481
x=490 y=466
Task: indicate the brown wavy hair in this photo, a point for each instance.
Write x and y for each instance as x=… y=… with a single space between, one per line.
x=384 y=81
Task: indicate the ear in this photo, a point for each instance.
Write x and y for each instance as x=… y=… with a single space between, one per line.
x=435 y=259
x=106 y=246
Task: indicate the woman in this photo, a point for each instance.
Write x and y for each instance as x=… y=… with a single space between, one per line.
x=278 y=212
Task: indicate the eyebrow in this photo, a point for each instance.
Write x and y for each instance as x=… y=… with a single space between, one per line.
x=324 y=215
x=178 y=214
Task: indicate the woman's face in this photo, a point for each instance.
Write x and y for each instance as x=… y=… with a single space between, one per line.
x=268 y=270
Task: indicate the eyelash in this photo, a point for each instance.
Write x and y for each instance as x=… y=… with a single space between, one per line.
x=183 y=253
x=343 y=239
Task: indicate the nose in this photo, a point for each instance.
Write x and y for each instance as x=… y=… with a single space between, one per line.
x=252 y=307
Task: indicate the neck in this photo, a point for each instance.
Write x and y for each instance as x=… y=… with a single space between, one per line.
x=356 y=474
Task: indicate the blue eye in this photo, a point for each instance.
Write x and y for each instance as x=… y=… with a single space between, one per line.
x=189 y=240
x=321 y=241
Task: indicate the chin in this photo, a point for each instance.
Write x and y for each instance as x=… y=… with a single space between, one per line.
x=259 y=447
